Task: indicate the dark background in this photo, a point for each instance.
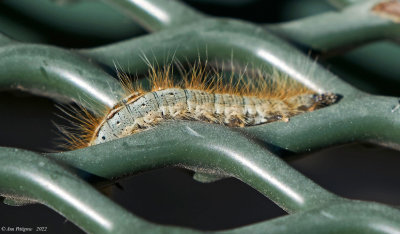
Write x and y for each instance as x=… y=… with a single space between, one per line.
x=171 y=196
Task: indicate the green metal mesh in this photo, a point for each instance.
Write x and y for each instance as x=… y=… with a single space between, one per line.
x=252 y=155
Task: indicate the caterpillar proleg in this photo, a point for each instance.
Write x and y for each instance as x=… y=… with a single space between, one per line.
x=201 y=95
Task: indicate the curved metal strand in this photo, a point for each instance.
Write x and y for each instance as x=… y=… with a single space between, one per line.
x=220 y=39
x=354 y=25
x=210 y=148
x=30 y=176
x=34 y=177
x=57 y=73
x=361 y=118
x=344 y=3
x=199 y=146
x=342 y=217
x=338 y=31
x=93 y=19
x=156 y=15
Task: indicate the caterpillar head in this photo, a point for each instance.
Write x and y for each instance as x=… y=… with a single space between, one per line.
x=325 y=99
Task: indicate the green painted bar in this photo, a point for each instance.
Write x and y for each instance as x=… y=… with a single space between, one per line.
x=156 y=15
x=247 y=154
x=363 y=118
x=32 y=176
x=344 y=3
x=344 y=217
x=82 y=18
x=205 y=147
x=57 y=73
x=35 y=177
x=354 y=25
x=220 y=40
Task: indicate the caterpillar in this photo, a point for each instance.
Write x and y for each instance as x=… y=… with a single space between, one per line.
x=201 y=95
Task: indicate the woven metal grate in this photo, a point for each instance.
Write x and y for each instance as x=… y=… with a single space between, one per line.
x=252 y=155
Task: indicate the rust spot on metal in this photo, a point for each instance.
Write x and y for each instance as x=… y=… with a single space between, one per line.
x=388 y=9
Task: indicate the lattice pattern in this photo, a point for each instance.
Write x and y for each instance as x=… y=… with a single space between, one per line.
x=64 y=74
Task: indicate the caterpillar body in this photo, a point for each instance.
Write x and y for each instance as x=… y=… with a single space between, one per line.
x=142 y=112
x=236 y=104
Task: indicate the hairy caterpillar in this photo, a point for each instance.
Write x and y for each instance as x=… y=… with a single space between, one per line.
x=202 y=95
